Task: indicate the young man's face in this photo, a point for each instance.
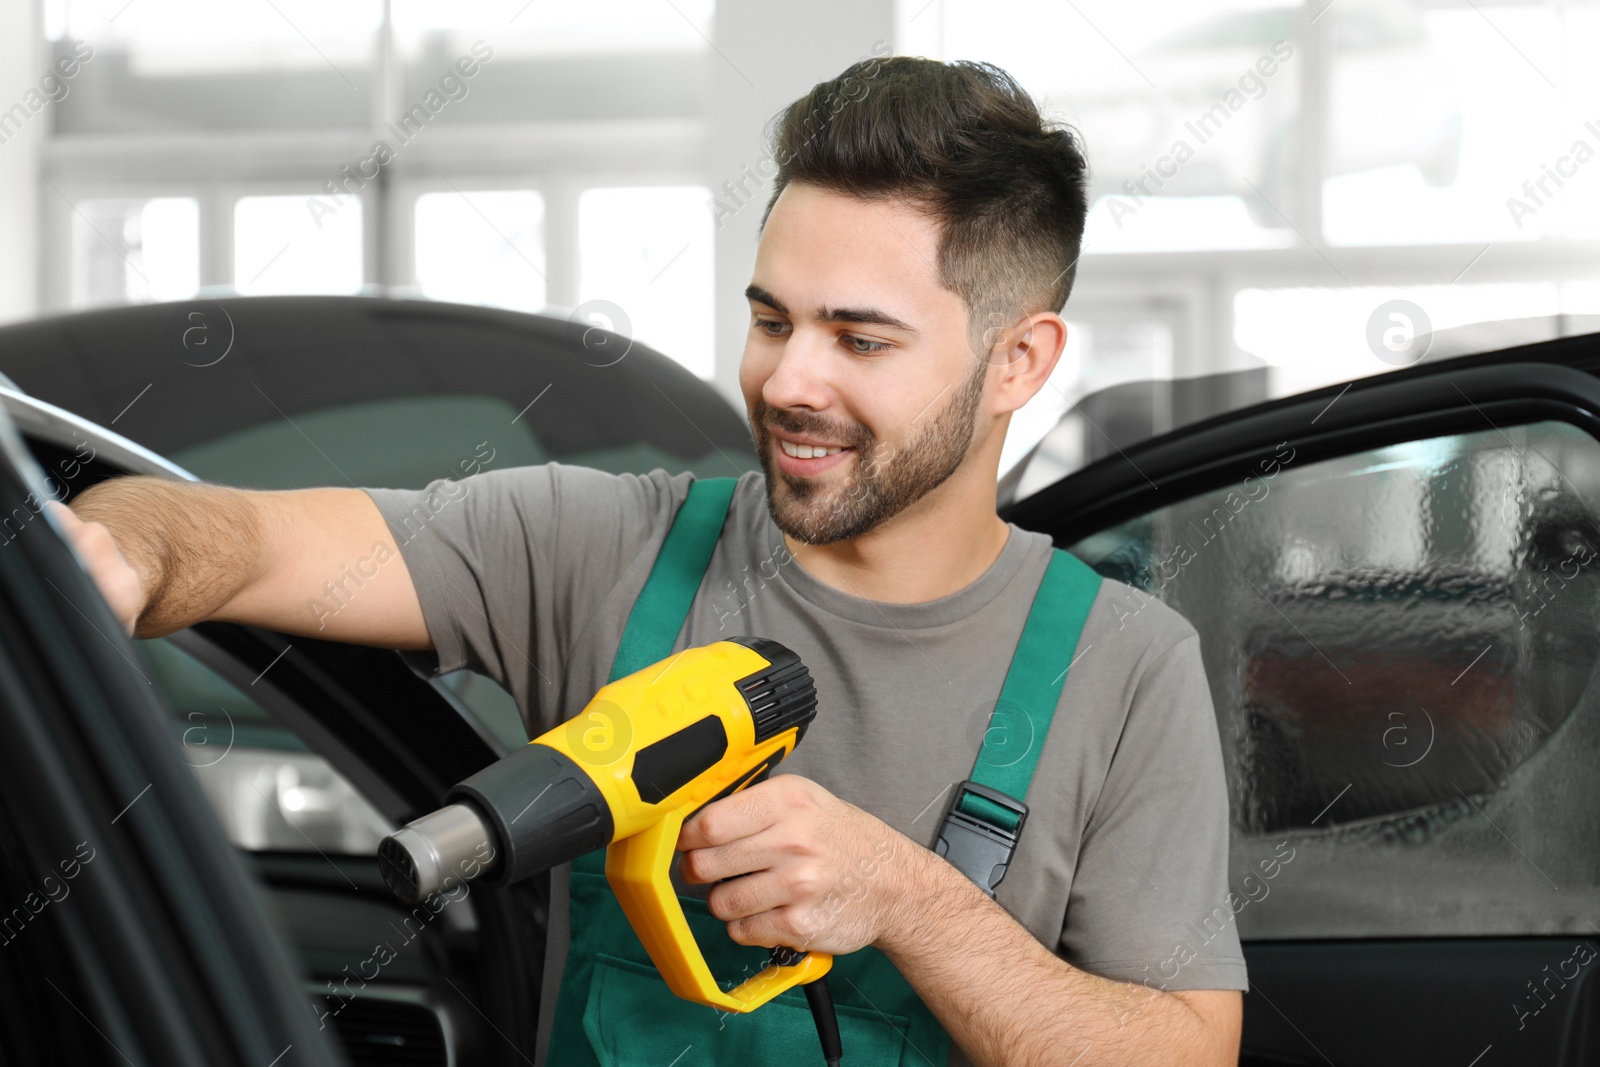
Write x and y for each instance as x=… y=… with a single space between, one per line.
x=854 y=346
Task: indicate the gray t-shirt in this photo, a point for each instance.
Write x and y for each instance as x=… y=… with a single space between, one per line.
x=527 y=575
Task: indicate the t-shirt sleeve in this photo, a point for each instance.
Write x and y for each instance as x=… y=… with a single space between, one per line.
x=509 y=564
x=1150 y=900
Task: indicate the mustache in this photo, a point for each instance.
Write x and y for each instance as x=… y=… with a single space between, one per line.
x=777 y=420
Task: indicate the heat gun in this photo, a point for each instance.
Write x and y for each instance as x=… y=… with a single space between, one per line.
x=647 y=752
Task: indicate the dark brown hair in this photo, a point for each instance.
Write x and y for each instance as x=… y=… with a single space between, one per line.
x=965 y=143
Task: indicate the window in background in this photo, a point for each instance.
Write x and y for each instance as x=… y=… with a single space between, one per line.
x=162 y=65
x=281 y=246
x=1493 y=96
x=647 y=252
x=1198 y=101
x=1033 y=420
x=477 y=247
x=134 y=251
x=599 y=60
x=1109 y=391
x=1581 y=298
x=560 y=29
x=1442 y=122
x=1315 y=337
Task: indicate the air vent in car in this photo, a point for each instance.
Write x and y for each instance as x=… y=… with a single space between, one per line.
x=379 y=1030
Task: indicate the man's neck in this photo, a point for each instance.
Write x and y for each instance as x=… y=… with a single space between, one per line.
x=938 y=546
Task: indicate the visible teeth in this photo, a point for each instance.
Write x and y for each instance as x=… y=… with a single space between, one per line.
x=808 y=451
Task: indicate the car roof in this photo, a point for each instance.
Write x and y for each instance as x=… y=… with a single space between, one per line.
x=173 y=375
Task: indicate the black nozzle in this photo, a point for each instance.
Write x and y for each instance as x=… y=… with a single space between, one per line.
x=543 y=809
x=520 y=815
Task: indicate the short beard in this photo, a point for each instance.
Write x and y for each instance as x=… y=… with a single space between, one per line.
x=885 y=481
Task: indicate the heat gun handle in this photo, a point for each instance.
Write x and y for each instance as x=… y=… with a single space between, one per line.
x=638 y=869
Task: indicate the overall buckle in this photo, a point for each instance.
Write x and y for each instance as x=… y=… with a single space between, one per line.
x=980 y=833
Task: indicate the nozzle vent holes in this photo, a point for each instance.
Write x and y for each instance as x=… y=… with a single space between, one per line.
x=399 y=869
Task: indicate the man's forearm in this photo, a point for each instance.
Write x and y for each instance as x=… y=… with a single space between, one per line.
x=1009 y=1002
x=194 y=546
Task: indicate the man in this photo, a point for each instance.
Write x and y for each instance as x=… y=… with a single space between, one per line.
x=919 y=245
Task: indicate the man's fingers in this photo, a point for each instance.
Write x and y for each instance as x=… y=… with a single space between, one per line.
x=741 y=856
x=744 y=814
x=118 y=582
x=751 y=894
x=64 y=515
x=775 y=926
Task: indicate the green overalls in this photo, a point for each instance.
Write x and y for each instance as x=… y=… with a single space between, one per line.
x=614 y=1008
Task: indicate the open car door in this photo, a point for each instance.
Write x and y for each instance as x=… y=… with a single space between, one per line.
x=306 y=752
x=131 y=932
x=1397 y=589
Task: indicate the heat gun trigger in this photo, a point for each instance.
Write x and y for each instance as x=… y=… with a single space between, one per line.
x=782 y=956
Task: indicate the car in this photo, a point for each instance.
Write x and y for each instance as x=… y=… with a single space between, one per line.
x=291 y=392
x=1395 y=588
x=309 y=752
x=1395 y=584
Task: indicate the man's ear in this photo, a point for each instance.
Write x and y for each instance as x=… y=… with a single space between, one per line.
x=1026 y=352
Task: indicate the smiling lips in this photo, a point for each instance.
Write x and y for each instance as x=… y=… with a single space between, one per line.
x=800 y=451
x=804 y=459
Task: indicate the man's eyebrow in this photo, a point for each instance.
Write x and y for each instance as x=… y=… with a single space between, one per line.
x=864 y=316
x=761 y=296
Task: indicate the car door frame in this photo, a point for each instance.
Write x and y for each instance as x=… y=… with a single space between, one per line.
x=1365 y=414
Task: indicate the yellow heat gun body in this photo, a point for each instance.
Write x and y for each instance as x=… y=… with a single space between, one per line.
x=647 y=752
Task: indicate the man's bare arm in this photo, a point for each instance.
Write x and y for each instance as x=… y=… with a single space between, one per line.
x=319 y=562
x=795 y=865
x=1010 y=1002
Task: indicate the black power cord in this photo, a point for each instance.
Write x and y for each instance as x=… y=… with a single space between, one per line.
x=821 y=1000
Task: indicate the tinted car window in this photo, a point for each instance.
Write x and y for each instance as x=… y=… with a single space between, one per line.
x=405 y=443
x=1401 y=646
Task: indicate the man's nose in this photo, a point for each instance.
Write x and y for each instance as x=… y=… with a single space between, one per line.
x=802 y=376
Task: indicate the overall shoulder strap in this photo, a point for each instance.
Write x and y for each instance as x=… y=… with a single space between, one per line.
x=663 y=605
x=1039 y=665
x=986 y=816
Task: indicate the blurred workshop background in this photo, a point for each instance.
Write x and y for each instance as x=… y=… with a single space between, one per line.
x=1268 y=177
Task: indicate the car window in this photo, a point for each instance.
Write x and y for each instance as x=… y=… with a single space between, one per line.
x=1401 y=647
x=404 y=443
x=269 y=791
